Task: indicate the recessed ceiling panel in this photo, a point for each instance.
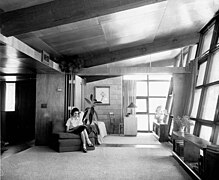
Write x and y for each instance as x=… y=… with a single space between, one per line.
x=131 y=26
x=185 y=16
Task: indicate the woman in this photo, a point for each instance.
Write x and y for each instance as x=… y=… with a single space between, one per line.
x=74 y=125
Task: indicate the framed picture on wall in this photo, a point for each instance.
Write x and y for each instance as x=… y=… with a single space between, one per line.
x=102 y=94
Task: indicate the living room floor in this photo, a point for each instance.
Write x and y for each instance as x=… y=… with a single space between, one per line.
x=118 y=157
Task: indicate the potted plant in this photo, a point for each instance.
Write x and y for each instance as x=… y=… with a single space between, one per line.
x=90 y=118
x=182 y=122
x=90 y=114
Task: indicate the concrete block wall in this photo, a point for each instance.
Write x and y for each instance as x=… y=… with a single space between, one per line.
x=115 y=100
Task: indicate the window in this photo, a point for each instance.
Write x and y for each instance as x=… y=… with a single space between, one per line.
x=150 y=93
x=141 y=88
x=196 y=102
x=10 y=97
x=214 y=69
x=156 y=90
x=201 y=74
x=141 y=105
x=207 y=40
x=192 y=52
x=210 y=102
x=206 y=101
x=191 y=127
x=205 y=132
x=154 y=102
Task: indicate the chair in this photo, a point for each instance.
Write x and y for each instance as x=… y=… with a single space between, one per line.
x=112 y=122
x=102 y=130
x=121 y=126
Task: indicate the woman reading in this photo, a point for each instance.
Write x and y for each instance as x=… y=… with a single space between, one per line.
x=75 y=125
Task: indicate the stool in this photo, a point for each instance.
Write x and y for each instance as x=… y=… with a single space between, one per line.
x=112 y=122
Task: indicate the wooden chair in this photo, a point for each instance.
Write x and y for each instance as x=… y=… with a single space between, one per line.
x=121 y=126
x=112 y=122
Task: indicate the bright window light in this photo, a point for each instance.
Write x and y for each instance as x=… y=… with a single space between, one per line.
x=196 y=103
x=141 y=88
x=205 y=133
x=10 y=78
x=10 y=97
x=158 y=88
x=201 y=74
x=160 y=77
x=210 y=103
x=135 y=77
x=151 y=76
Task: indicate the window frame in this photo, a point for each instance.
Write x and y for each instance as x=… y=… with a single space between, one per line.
x=203 y=57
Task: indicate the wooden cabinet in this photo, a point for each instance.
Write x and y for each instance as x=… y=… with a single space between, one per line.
x=130 y=125
x=161 y=131
x=189 y=150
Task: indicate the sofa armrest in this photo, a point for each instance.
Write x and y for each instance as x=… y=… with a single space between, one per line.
x=58 y=126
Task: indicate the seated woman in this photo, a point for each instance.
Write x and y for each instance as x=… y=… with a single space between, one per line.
x=74 y=125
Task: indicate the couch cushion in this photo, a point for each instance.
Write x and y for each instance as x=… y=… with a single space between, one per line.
x=72 y=148
x=65 y=135
x=58 y=126
x=70 y=142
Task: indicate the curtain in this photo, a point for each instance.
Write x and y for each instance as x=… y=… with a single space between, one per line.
x=129 y=94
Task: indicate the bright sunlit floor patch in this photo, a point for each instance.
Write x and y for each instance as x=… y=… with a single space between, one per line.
x=146 y=146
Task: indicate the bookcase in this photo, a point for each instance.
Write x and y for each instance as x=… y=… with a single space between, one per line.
x=161 y=131
x=189 y=150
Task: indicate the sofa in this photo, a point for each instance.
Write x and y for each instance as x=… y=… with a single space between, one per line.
x=61 y=141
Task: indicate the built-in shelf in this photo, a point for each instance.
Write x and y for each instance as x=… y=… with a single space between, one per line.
x=160 y=131
x=189 y=151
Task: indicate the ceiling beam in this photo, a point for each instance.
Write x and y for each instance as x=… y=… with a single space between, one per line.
x=120 y=71
x=61 y=12
x=12 y=48
x=158 y=45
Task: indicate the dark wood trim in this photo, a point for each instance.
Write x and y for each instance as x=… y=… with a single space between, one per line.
x=119 y=71
x=61 y=12
x=162 y=44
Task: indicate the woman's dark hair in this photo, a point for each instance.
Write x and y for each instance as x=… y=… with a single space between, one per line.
x=74 y=110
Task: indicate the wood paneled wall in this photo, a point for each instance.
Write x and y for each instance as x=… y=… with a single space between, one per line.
x=2 y=107
x=18 y=126
x=50 y=96
x=25 y=109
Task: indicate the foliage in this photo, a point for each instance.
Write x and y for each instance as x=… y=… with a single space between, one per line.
x=90 y=113
x=71 y=64
x=183 y=121
x=159 y=113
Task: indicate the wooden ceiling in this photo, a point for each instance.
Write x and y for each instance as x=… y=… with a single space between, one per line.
x=105 y=32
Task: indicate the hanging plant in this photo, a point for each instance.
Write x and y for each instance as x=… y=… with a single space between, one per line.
x=71 y=64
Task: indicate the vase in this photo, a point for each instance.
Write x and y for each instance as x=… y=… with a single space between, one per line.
x=182 y=129
x=159 y=121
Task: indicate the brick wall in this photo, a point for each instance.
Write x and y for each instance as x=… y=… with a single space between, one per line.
x=115 y=100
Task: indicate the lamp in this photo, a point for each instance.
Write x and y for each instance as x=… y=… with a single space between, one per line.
x=132 y=106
